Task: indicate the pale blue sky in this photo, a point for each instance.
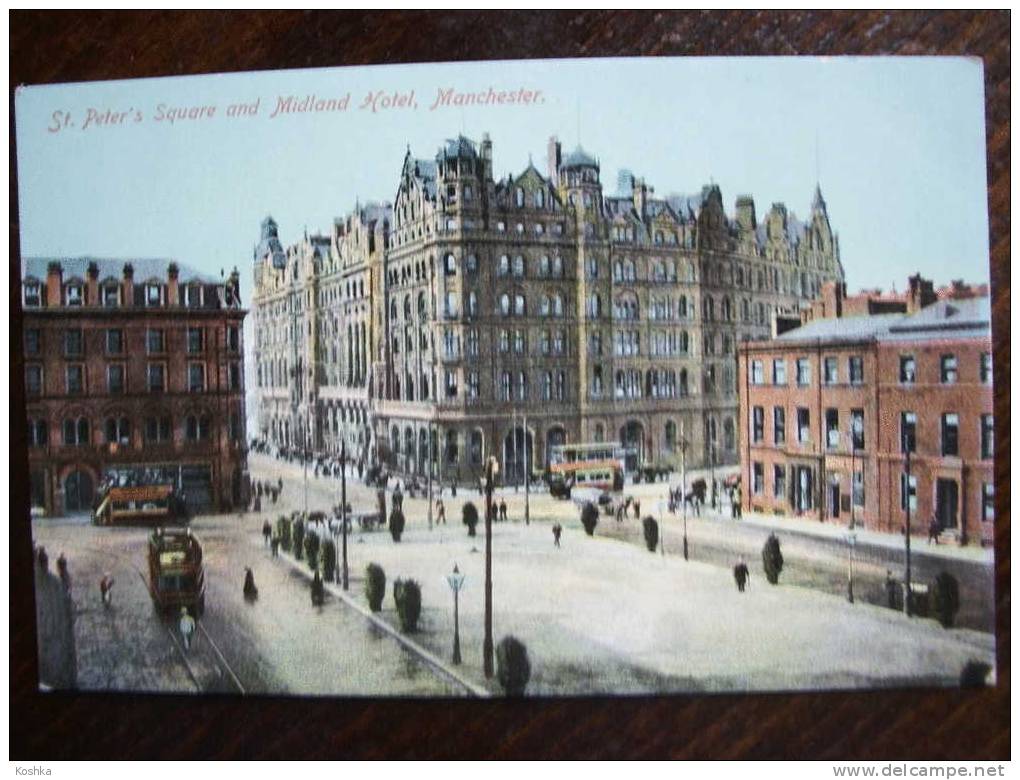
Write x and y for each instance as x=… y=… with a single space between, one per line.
x=900 y=151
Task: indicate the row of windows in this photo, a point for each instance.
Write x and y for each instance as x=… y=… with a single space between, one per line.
x=111 y=295
x=115 y=344
x=949 y=369
x=802 y=371
x=76 y=432
x=833 y=433
x=949 y=434
x=75 y=376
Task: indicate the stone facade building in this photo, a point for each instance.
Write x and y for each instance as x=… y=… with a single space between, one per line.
x=133 y=370
x=829 y=409
x=428 y=330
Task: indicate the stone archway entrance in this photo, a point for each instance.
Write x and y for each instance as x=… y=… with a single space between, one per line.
x=517 y=451
x=79 y=491
x=632 y=437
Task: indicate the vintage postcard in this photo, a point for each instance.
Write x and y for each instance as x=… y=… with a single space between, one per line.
x=535 y=378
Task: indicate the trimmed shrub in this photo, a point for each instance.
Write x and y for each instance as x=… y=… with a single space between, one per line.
x=772 y=559
x=974 y=674
x=396 y=524
x=375 y=586
x=945 y=598
x=407 y=595
x=513 y=669
x=328 y=560
x=312 y=545
x=298 y=538
x=589 y=517
x=283 y=532
x=651 y=530
x=469 y=515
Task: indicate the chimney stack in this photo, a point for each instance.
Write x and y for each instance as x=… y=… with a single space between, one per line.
x=129 y=284
x=173 y=296
x=92 y=285
x=54 y=284
x=920 y=293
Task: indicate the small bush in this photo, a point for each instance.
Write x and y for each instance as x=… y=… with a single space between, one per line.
x=513 y=669
x=328 y=560
x=396 y=524
x=469 y=515
x=407 y=595
x=974 y=674
x=651 y=530
x=298 y=538
x=589 y=517
x=945 y=598
x=312 y=545
x=772 y=559
x=283 y=532
x=375 y=586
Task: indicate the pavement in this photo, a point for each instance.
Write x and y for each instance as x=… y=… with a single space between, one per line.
x=600 y=615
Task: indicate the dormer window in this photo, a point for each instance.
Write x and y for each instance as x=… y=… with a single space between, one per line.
x=73 y=295
x=33 y=295
x=519 y=197
x=539 y=199
x=153 y=294
x=193 y=296
x=111 y=295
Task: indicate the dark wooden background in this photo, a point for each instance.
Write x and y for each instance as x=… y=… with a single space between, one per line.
x=59 y=47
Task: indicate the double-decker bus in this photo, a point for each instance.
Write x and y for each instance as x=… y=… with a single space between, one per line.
x=176 y=575
x=594 y=465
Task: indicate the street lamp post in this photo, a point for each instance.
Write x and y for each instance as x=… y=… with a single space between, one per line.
x=907 y=443
x=456 y=582
x=343 y=507
x=429 y=490
x=683 y=482
x=852 y=533
x=711 y=470
x=527 y=475
x=491 y=470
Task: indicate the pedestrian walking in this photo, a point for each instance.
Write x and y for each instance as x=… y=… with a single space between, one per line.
x=267 y=531
x=250 y=591
x=440 y=512
x=279 y=484
x=274 y=546
x=65 y=577
x=934 y=530
x=318 y=590
x=557 y=530
x=187 y=627
x=741 y=574
x=106 y=589
x=738 y=503
x=502 y=510
x=891 y=590
x=637 y=509
x=398 y=498
x=42 y=558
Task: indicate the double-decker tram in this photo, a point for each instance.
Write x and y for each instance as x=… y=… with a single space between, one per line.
x=592 y=465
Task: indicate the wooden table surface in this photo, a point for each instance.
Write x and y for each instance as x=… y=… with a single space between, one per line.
x=79 y=46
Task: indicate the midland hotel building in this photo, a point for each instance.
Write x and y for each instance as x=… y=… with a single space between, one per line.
x=433 y=327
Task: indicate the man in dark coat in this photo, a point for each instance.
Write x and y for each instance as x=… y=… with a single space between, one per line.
x=741 y=574
x=502 y=510
x=267 y=531
x=557 y=529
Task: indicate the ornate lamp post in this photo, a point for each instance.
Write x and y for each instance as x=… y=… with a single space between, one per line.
x=907 y=446
x=683 y=481
x=491 y=470
x=456 y=581
x=343 y=507
x=855 y=429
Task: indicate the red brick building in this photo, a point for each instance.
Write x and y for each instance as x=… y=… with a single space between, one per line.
x=829 y=408
x=134 y=372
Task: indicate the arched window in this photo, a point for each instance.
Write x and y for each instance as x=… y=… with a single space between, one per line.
x=472 y=304
x=547 y=384
x=118 y=430
x=670 y=436
x=539 y=199
x=519 y=197
x=450 y=264
x=557 y=304
x=503 y=269
x=519 y=267
x=520 y=308
x=544 y=268
x=504 y=304
x=407 y=307
x=629 y=271
x=544 y=307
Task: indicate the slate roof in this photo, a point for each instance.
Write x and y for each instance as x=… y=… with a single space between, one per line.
x=457 y=147
x=145 y=268
x=578 y=158
x=940 y=320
